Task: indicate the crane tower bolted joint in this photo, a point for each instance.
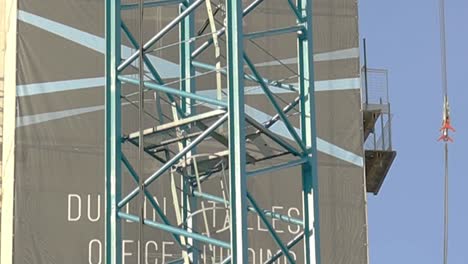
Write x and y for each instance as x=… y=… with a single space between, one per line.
x=202 y=146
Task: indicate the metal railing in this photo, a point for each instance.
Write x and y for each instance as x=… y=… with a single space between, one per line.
x=380 y=138
x=374 y=96
x=376 y=90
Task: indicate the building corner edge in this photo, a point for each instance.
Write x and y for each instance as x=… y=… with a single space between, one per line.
x=9 y=126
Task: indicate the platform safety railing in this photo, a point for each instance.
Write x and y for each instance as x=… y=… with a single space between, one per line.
x=375 y=98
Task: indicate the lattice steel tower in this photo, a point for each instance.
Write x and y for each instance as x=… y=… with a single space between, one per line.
x=201 y=140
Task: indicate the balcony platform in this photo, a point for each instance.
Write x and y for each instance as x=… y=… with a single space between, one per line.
x=378 y=163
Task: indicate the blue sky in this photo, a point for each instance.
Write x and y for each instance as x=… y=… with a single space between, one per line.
x=406 y=218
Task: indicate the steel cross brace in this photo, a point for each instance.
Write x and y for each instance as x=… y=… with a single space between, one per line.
x=153 y=202
x=278 y=109
x=222 y=31
x=151 y=67
x=273 y=83
x=267 y=213
x=161 y=33
x=172 y=161
x=270 y=228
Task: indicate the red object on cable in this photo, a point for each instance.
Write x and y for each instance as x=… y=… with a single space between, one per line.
x=446 y=126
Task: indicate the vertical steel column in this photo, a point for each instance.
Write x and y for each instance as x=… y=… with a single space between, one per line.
x=141 y=122
x=113 y=133
x=365 y=73
x=237 y=152
x=187 y=29
x=310 y=186
x=187 y=84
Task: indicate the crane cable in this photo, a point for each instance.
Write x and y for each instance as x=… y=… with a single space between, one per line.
x=446 y=125
x=446 y=218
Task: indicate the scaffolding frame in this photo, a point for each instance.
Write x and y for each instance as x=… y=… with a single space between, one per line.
x=231 y=112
